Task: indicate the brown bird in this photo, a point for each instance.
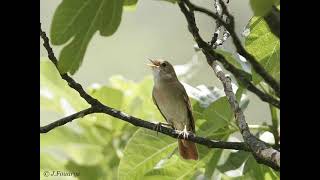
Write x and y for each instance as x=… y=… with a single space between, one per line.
x=171 y=99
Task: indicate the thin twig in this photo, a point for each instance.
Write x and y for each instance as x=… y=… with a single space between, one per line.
x=65 y=120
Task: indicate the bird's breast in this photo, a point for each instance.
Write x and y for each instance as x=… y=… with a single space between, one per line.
x=172 y=106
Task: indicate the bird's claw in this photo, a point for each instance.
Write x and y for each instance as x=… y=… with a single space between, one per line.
x=157 y=127
x=184 y=133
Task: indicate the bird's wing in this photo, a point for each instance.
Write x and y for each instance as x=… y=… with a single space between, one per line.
x=189 y=108
x=155 y=102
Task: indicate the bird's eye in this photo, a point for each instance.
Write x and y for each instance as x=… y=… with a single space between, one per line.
x=164 y=64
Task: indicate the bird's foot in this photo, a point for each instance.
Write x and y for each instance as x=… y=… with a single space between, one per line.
x=184 y=133
x=158 y=126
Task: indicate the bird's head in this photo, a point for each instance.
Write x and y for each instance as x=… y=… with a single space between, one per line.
x=162 y=70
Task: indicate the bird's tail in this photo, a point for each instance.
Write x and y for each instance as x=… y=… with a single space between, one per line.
x=188 y=149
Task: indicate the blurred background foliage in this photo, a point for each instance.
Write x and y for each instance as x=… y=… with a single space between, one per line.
x=104 y=44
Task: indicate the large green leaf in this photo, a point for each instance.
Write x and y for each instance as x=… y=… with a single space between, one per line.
x=217 y=115
x=179 y=169
x=79 y=20
x=144 y=150
x=213 y=162
x=264 y=46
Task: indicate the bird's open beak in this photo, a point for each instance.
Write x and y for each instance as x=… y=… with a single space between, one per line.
x=154 y=63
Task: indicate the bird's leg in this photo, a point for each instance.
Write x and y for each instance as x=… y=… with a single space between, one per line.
x=157 y=127
x=184 y=132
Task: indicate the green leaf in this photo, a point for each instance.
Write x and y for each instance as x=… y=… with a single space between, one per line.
x=261 y=7
x=55 y=94
x=234 y=161
x=213 y=162
x=79 y=20
x=217 y=115
x=144 y=150
x=174 y=167
x=180 y=169
x=265 y=47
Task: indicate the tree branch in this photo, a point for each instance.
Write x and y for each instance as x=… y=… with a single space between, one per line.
x=98 y=107
x=240 y=49
x=263 y=154
x=72 y=83
x=240 y=75
x=145 y=124
x=65 y=120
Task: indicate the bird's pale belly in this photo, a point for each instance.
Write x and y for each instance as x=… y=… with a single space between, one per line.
x=174 y=110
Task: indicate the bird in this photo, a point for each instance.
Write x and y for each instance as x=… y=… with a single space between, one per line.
x=171 y=99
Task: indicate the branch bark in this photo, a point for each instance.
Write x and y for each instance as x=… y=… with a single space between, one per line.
x=262 y=152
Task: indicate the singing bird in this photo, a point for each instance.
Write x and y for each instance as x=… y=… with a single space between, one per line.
x=172 y=101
